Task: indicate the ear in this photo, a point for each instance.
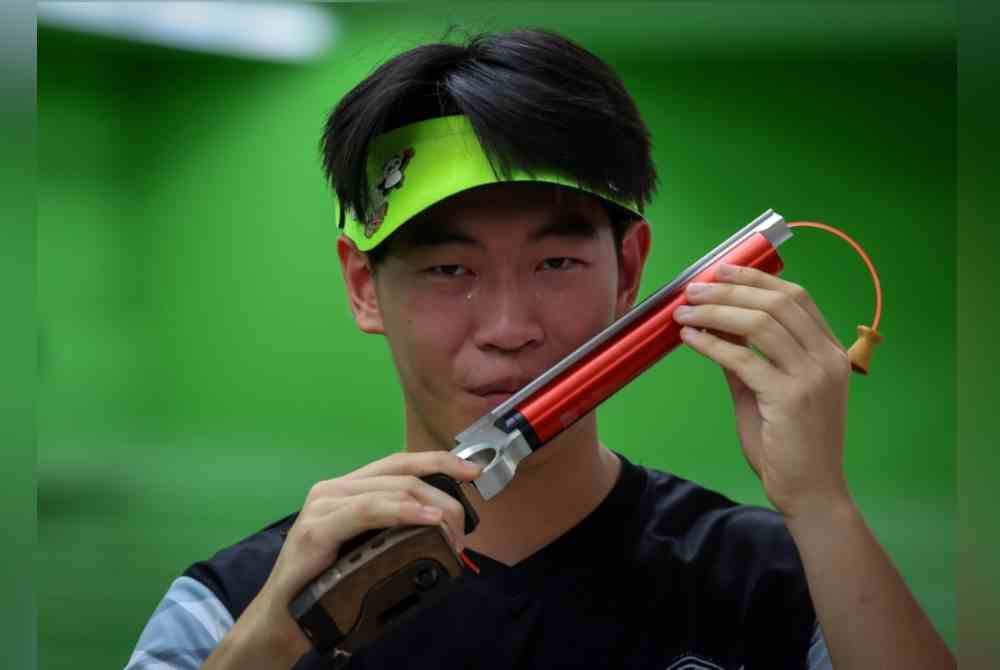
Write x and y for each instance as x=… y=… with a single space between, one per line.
x=635 y=249
x=359 y=278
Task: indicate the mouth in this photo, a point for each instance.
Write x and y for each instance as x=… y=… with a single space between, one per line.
x=497 y=392
x=495 y=399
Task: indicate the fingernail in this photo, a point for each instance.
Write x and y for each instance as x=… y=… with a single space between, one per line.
x=697 y=288
x=683 y=310
x=727 y=271
x=430 y=513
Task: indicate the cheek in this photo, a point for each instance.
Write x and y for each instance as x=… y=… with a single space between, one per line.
x=433 y=317
x=580 y=309
x=424 y=333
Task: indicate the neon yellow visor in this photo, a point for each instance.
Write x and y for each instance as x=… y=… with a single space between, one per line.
x=415 y=166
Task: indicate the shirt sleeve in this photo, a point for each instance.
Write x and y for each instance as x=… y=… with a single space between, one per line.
x=818 y=658
x=184 y=629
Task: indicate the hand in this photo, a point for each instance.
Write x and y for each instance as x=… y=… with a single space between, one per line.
x=791 y=403
x=385 y=493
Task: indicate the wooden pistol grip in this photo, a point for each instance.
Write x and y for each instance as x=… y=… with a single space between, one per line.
x=377 y=579
x=379 y=576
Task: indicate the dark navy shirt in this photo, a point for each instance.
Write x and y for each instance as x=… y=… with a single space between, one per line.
x=663 y=574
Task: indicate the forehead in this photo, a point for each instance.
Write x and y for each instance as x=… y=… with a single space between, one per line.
x=528 y=205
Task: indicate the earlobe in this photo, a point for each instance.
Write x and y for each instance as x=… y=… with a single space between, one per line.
x=359 y=279
x=635 y=249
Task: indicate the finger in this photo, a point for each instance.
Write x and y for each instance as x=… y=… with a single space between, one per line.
x=757 y=373
x=730 y=337
x=759 y=328
x=754 y=277
x=314 y=541
x=739 y=340
x=413 y=487
x=419 y=464
x=324 y=505
x=782 y=307
x=319 y=506
x=376 y=510
x=344 y=518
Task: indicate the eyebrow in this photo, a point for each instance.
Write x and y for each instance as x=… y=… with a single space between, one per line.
x=565 y=224
x=432 y=236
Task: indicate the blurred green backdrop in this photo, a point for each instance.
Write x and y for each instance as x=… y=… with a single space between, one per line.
x=199 y=369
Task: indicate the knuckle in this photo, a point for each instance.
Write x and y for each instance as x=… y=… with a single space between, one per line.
x=799 y=294
x=781 y=303
x=761 y=321
x=446 y=461
x=396 y=461
x=316 y=491
x=412 y=485
x=402 y=496
x=311 y=507
x=744 y=356
x=367 y=510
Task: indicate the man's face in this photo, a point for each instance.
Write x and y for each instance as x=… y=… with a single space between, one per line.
x=486 y=290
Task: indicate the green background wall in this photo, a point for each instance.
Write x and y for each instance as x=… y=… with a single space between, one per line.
x=199 y=369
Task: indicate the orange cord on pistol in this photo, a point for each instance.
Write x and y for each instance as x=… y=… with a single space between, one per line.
x=860 y=352
x=468 y=562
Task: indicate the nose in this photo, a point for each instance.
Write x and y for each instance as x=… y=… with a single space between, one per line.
x=507 y=318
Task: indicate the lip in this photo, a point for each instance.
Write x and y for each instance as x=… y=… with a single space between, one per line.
x=495 y=398
x=497 y=392
x=486 y=402
x=507 y=387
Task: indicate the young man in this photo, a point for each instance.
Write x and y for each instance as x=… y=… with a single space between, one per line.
x=491 y=198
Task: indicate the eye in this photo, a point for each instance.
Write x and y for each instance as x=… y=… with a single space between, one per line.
x=559 y=263
x=448 y=270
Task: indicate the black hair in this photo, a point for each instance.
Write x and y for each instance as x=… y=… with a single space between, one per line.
x=536 y=100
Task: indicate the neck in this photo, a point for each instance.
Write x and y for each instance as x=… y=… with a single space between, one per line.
x=553 y=490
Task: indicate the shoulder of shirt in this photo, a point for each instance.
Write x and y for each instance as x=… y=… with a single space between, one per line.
x=740 y=560
x=697 y=522
x=236 y=573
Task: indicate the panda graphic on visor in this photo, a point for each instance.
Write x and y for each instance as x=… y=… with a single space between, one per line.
x=393 y=173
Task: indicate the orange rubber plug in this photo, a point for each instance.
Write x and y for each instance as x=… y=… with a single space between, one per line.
x=860 y=352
